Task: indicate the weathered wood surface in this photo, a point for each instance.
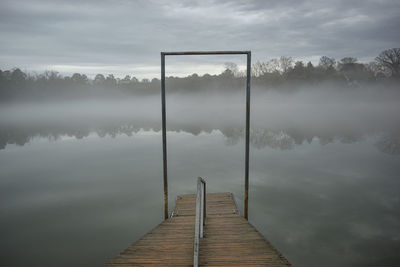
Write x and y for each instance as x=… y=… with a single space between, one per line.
x=229 y=239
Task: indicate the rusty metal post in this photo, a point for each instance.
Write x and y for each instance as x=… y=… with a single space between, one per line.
x=164 y=136
x=246 y=176
x=205 y=204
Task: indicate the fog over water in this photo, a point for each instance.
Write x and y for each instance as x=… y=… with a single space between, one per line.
x=84 y=177
x=327 y=113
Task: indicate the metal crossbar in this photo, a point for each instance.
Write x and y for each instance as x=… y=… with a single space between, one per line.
x=164 y=127
x=200 y=218
x=193 y=53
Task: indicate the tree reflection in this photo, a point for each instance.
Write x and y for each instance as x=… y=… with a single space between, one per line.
x=260 y=138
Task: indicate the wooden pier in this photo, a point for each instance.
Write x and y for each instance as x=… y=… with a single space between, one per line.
x=204 y=229
x=229 y=239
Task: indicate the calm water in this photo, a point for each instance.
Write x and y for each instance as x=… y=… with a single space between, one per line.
x=76 y=192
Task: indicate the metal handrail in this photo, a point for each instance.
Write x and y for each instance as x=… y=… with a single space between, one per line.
x=200 y=218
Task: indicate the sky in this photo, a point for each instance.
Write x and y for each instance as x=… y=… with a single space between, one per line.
x=126 y=37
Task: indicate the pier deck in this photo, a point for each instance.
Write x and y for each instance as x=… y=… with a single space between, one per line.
x=229 y=239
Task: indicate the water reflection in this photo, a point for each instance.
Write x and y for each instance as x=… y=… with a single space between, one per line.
x=104 y=190
x=260 y=138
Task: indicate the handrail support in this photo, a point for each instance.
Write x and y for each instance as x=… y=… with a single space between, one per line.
x=200 y=218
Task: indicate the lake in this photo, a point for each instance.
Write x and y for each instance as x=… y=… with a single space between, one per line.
x=81 y=181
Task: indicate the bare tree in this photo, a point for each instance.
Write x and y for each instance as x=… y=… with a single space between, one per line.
x=233 y=68
x=99 y=79
x=273 y=65
x=348 y=60
x=259 y=68
x=326 y=62
x=349 y=64
x=377 y=69
x=285 y=63
x=390 y=59
x=79 y=78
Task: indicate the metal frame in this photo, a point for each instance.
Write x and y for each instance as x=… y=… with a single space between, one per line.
x=200 y=218
x=164 y=129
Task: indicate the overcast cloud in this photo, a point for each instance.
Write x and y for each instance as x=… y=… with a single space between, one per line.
x=126 y=37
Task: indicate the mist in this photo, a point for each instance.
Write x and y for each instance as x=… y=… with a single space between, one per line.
x=326 y=112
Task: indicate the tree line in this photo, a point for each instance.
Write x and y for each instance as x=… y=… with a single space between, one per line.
x=284 y=71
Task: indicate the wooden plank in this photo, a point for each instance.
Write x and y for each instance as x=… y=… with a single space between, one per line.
x=217 y=203
x=229 y=239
